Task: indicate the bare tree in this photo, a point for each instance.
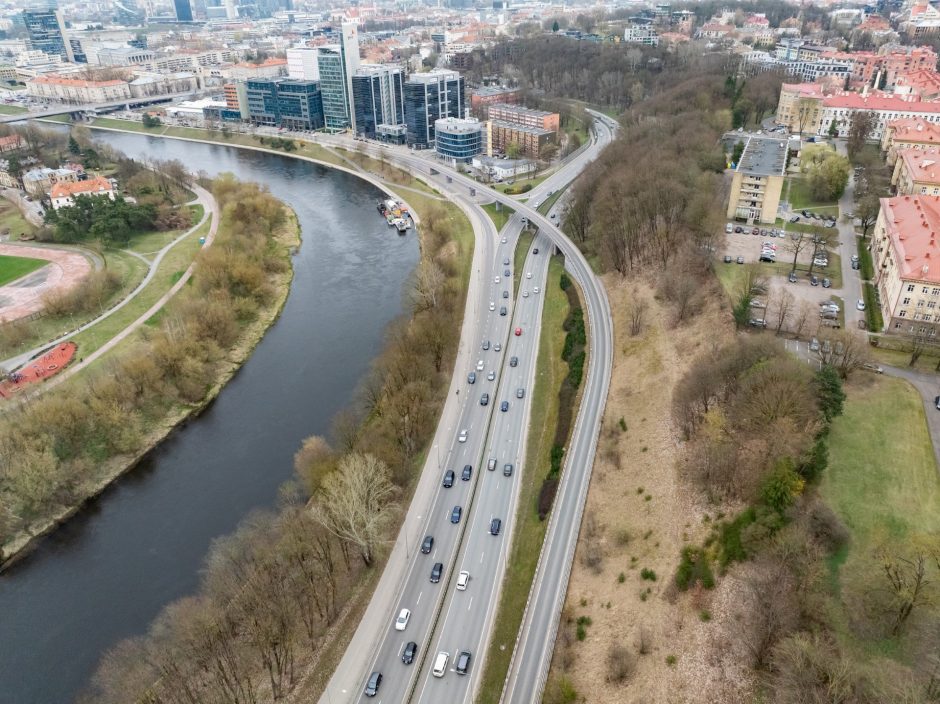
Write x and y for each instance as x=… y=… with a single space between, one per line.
x=783 y=309
x=772 y=612
x=919 y=343
x=796 y=243
x=429 y=280
x=637 y=310
x=802 y=317
x=907 y=582
x=356 y=503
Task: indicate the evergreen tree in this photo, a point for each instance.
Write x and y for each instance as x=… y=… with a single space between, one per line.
x=555 y=26
x=73 y=146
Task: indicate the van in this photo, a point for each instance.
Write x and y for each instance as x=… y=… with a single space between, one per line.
x=440 y=664
x=729 y=228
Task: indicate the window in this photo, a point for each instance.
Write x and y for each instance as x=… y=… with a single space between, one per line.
x=897 y=326
x=906 y=301
x=916 y=316
x=902 y=314
x=924 y=290
x=935 y=292
x=932 y=304
x=910 y=287
x=920 y=304
x=926 y=317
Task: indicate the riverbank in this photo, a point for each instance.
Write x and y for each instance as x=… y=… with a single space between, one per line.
x=154 y=426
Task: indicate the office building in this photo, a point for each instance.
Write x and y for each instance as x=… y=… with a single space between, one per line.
x=429 y=97
x=288 y=103
x=336 y=64
x=377 y=102
x=518 y=115
x=457 y=140
x=236 y=101
x=262 y=101
x=302 y=64
x=46 y=31
x=184 y=10
x=529 y=140
x=758 y=181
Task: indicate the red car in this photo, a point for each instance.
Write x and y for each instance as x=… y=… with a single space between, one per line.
x=518 y=332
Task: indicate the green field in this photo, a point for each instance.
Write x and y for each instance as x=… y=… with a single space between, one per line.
x=499 y=217
x=11 y=109
x=799 y=197
x=12 y=268
x=530 y=531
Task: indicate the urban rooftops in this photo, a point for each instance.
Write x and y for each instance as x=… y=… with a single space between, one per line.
x=764 y=156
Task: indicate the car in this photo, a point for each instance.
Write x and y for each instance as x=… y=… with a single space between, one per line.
x=503 y=240
x=502 y=310
x=411 y=648
x=758 y=304
x=466 y=473
x=553 y=216
x=463 y=433
x=506 y=261
x=513 y=361
x=830 y=224
x=525 y=293
x=448 y=479
x=372 y=686
x=401 y=623
x=729 y=228
x=535 y=251
x=496 y=280
x=767 y=257
x=507 y=470
x=504 y=406
x=520 y=392
x=491 y=464
x=492 y=305
x=795 y=218
x=505 y=294
x=769 y=245
x=440 y=664
x=813 y=281
x=854 y=258
x=472 y=378
x=856 y=266
x=528 y=274
x=480 y=365
x=755 y=231
x=791 y=277
x=860 y=304
x=497 y=347
x=826 y=283
x=518 y=332
x=739 y=229
x=805 y=213
x=820 y=262
x=727 y=259
x=463 y=663
x=462 y=580
x=830 y=305
x=486 y=345
x=455 y=514
x=814 y=345
x=535 y=289
x=507 y=273
x=873 y=368
x=740 y=260
x=427 y=544
x=495 y=526
x=436 y=572
x=757 y=323
x=491 y=376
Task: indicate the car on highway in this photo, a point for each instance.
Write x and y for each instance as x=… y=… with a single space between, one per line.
x=497 y=347
x=486 y=345
x=436 y=572
x=525 y=293
x=504 y=406
x=518 y=332
x=535 y=289
x=480 y=365
x=496 y=280
x=513 y=361
x=535 y=251
x=411 y=649
x=427 y=544
x=528 y=274
x=463 y=663
x=503 y=240
x=472 y=378
x=520 y=392
x=448 y=479
x=463 y=579
x=401 y=623
x=495 y=526
x=440 y=664
x=507 y=470
x=860 y=304
x=506 y=261
x=505 y=294
x=463 y=433
x=506 y=273
x=492 y=305
x=372 y=686
x=502 y=310
x=466 y=473
x=491 y=376
x=491 y=464
x=455 y=514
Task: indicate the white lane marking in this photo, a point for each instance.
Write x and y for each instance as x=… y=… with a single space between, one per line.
x=482 y=555
x=401 y=649
x=419 y=599
x=470 y=604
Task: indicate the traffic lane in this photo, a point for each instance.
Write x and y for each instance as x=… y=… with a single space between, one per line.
x=495 y=501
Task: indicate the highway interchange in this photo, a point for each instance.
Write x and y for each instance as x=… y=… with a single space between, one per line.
x=443 y=618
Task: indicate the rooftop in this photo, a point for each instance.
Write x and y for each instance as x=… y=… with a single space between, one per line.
x=912 y=224
x=520 y=110
x=915 y=129
x=764 y=156
x=520 y=128
x=489 y=91
x=922 y=167
x=97 y=184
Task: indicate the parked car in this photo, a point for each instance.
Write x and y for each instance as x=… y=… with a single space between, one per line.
x=767 y=257
x=795 y=218
x=792 y=277
x=826 y=283
x=757 y=323
x=739 y=229
x=860 y=304
x=814 y=345
x=856 y=266
x=740 y=260
x=727 y=259
x=813 y=281
x=873 y=368
x=729 y=228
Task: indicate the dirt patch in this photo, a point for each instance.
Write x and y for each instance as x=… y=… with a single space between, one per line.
x=639 y=515
x=22 y=298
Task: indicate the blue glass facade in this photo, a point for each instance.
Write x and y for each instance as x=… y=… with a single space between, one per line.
x=459 y=140
x=377 y=101
x=46 y=33
x=429 y=97
x=292 y=104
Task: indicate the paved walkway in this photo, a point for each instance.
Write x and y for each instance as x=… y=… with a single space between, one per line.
x=210 y=209
x=24 y=296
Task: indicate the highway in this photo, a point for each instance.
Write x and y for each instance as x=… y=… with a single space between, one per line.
x=448 y=619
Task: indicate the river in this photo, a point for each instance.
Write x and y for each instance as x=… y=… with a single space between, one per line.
x=107 y=573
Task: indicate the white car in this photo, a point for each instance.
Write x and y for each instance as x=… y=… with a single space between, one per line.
x=535 y=289
x=860 y=305
x=491 y=376
x=401 y=623
x=463 y=436
x=496 y=280
x=492 y=305
x=729 y=228
x=528 y=274
x=462 y=580
x=480 y=365
x=525 y=294
x=504 y=240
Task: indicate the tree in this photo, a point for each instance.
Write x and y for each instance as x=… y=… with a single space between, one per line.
x=829 y=392
x=783 y=307
x=14 y=166
x=860 y=127
x=795 y=244
x=826 y=171
x=867 y=210
x=150 y=121
x=737 y=152
x=74 y=148
x=752 y=285
x=833 y=129
x=907 y=583
x=513 y=150
x=356 y=503
x=555 y=26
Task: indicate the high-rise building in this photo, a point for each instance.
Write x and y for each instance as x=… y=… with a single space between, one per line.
x=288 y=103
x=429 y=97
x=184 y=10
x=377 y=102
x=302 y=63
x=458 y=140
x=262 y=101
x=336 y=64
x=46 y=31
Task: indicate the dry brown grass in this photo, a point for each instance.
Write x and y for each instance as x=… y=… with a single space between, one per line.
x=642 y=515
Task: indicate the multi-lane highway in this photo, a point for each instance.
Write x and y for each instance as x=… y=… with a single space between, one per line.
x=443 y=618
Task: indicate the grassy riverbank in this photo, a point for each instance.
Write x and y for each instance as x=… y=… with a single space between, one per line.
x=77 y=438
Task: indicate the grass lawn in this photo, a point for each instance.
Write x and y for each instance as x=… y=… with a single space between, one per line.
x=11 y=109
x=12 y=219
x=872 y=309
x=730 y=275
x=518 y=182
x=518 y=259
x=550 y=201
x=529 y=532
x=804 y=226
x=126 y=125
x=149 y=243
x=499 y=216
x=57 y=118
x=799 y=197
x=12 y=268
x=882 y=478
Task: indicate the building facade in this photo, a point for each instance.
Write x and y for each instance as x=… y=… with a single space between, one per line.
x=758 y=181
x=518 y=115
x=529 y=140
x=458 y=140
x=917 y=173
x=302 y=64
x=76 y=91
x=288 y=103
x=429 y=97
x=336 y=64
x=184 y=10
x=378 y=102
x=483 y=97
x=63 y=193
x=46 y=31
x=910 y=134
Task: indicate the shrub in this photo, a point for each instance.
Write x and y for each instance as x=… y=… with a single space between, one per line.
x=623 y=424
x=694 y=568
x=547 y=497
x=582 y=623
x=621 y=578
x=621 y=663
x=670 y=660
x=648 y=574
x=705 y=616
x=781 y=488
x=816 y=461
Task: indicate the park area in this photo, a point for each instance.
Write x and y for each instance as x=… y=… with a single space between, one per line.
x=13 y=268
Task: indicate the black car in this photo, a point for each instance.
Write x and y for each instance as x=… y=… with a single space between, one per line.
x=535 y=251
x=472 y=378
x=504 y=406
x=467 y=472
x=408 y=655
x=513 y=361
x=486 y=345
x=936 y=403
x=427 y=544
x=506 y=261
x=436 y=572
x=507 y=470
x=507 y=273
x=855 y=265
x=448 y=479
x=484 y=399
x=463 y=663
x=372 y=686
x=505 y=294
x=502 y=310
x=455 y=514
x=495 y=526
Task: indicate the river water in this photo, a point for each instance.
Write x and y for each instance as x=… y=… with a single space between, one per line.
x=107 y=573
